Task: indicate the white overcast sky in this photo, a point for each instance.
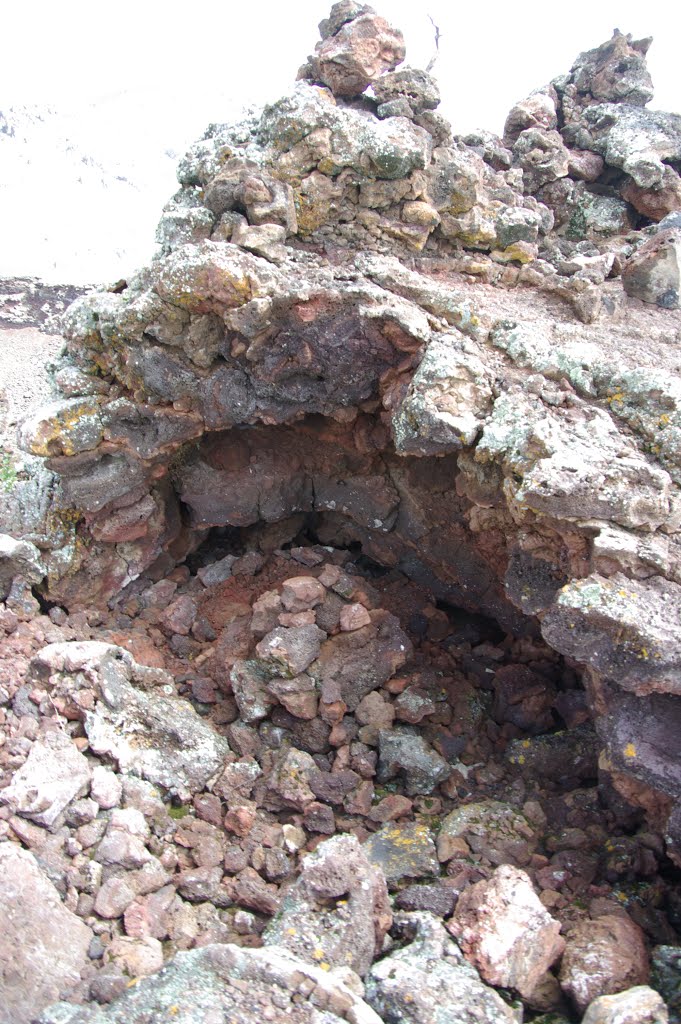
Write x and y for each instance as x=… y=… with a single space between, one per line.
x=131 y=83
x=493 y=53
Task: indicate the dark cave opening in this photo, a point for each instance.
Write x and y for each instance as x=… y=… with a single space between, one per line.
x=514 y=719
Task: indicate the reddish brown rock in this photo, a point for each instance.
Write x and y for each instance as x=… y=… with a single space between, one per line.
x=585 y=165
x=658 y=201
x=301 y=593
x=603 y=957
x=358 y=52
x=353 y=616
x=504 y=930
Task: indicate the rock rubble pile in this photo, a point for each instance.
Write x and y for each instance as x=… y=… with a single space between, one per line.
x=341 y=598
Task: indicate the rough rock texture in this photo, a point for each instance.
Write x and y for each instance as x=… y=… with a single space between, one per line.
x=43 y=946
x=337 y=912
x=602 y=957
x=53 y=775
x=353 y=54
x=311 y=373
x=223 y=982
x=638 y=1005
x=505 y=931
x=440 y=375
x=158 y=737
x=429 y=982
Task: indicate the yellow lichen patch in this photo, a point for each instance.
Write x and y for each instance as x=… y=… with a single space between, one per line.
x=318 y=954
x=630 y=750
x=64 y=428
x=324 y=966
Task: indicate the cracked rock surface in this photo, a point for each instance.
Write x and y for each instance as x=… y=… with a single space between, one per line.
x=340 y=582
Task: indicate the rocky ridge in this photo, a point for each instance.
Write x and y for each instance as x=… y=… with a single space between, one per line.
x=365 y=334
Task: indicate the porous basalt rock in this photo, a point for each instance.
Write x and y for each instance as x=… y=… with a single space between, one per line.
x=338 y=912
x=43 y=947
x=279 y=367
x=203 y=985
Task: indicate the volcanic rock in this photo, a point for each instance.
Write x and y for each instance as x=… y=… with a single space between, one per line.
x=603 y=957
x=350 y=57
x=43 y=946
x=337 y=912
x=429 y=982
x=54 y=774
x=218 y=980
x=504 y=930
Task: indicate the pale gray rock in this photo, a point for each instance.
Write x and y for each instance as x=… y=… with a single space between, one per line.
x=18 y=558
x=184 y=219
x=587 y=619
x=403 y=751
x=54 y=774
x=637 y=1005
x=249 y=681
x=653 y=273
x=428 y=981
x=447 y=401
x=615 y=72
x=106 y=788
x=337 y=912
x=114 y=896
x=542 y=156
x=638 y=141
x=216 y=572
x=225 y=982
x=290 y=777
x=573 y=467
x=288 y=651
x=416 y=87
x=389 y=149
x=123 y=843
x=443 y=300
x=262 y=239
x=505 y=931
x=43 y=946
x=152 y=734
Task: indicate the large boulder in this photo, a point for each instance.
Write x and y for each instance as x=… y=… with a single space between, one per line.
x=359 y=50
x=43 y=946
x=505 y=932
x=152 y=734
x=603 y=957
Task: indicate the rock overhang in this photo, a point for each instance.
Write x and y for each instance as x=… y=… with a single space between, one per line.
x=279 y=356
